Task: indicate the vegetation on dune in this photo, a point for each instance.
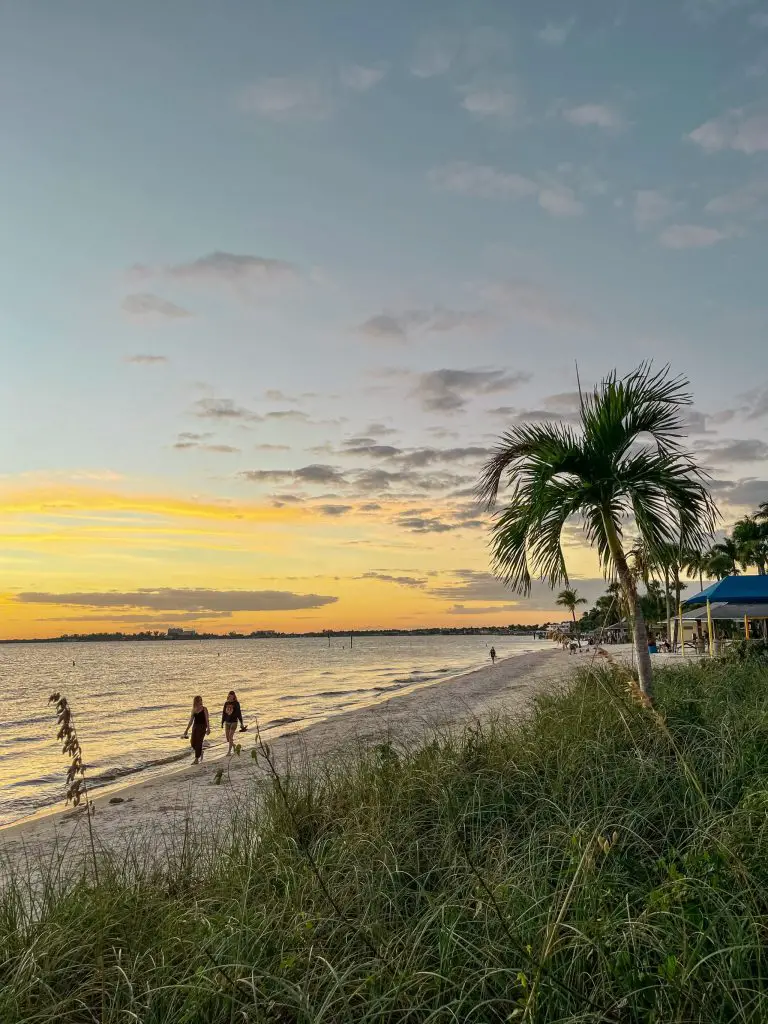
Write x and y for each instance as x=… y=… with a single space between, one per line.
x=597 y=861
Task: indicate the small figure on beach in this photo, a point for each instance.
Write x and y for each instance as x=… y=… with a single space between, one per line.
x=201 y=727
x=230 y=716
x=493 y=655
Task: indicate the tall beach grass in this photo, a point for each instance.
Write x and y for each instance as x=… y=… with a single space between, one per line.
x=590 y=863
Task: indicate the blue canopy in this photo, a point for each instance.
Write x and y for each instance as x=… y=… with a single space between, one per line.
x=733 y=590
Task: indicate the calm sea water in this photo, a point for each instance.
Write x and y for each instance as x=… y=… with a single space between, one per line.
x=132 y=700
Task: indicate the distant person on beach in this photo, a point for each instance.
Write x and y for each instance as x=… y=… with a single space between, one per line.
x=230 y=716
x=201 y=727
x=493 y=655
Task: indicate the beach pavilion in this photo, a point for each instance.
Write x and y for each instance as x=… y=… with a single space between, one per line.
x=742 y=599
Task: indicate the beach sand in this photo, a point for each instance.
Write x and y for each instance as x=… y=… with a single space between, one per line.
x=162 y=803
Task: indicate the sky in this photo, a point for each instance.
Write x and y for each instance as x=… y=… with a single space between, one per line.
x=274 y=276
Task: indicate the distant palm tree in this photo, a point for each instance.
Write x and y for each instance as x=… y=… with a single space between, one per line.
x=696 y=563
x=724 y=558
x=605 y=473
x=570 y=599
x=751 y=539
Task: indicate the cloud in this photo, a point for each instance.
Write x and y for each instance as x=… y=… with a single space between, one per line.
x=240 y=271
x=736 y=450
x=420 y=457
x=375 y=451
x=747 y=493
x=489 y=609
x=651 y=207
x=147 y=304
x=396 y=327
x=706 y=12
x=287 y=98
x=484 y=182
x=560 y=201
x=223 y=409
x=313 y=474
x=420 y=524
x=690 y=236
x=272 y=447
x=148 y=360
x=555 y=33
x=383 y=327
x=737 y=130
x=537 y=304
x=184 y=599
x=187 y=441
x=747 y=199
x=491 y=99
x=594 y=115
x=448 y=390
x=401 y=581
x=472 y=586
x=333 y=511
x=360 y=78
x=757 y=403
x=435 y=53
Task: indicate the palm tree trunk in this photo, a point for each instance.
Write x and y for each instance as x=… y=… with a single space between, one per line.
x=667 y=598
x=639 y=631
x=576 y=627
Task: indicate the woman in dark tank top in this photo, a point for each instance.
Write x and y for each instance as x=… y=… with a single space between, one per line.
x=201 y=727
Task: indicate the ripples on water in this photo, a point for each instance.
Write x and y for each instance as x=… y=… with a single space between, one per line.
x=132 y=700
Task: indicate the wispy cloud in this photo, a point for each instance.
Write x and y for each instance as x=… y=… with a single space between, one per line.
x=485 y=182
x=449 y=390
x=594 y=115
x=434 y=55
x=223 y=409
x=147 y=360
x=538 y=304
x=398 y=327
x=747 y=199
x=360 y=78
x=181 y=599
x=145 y=304
x=400 y=581
x=242 y=271
x=651 y=207
x=287 y=98
x=736 y=129
x=488 y=97
x=555 y=33
x=690 y=236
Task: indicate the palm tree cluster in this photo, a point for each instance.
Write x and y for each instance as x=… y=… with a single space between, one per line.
x=745 y=548
x=624 y=465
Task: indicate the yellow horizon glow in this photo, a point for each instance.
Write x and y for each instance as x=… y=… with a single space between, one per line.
x=73 y=537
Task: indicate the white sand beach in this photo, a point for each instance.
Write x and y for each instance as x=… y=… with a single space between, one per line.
x=160 y=803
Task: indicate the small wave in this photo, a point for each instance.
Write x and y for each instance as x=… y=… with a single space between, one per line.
x=120 y=771
x=281 y=721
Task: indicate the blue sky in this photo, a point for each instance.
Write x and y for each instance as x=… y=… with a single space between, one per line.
x=273 y=227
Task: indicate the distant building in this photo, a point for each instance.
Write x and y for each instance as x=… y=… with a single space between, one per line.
x=176 y=633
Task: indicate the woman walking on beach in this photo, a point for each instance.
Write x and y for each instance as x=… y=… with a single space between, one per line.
x=493 y=655
x=230 y=716
x=201 y=727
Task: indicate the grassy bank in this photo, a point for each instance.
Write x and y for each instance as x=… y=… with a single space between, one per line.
x=587 y=865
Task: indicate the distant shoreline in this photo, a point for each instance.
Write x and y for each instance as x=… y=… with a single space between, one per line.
x=99 y=638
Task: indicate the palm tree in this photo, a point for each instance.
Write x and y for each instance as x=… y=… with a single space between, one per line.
x=751 y=539
x=570 y=599
x=603 y=473
x=724 y=558
x=696 y=563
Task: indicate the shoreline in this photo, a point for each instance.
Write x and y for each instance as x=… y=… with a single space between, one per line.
x=146 y=804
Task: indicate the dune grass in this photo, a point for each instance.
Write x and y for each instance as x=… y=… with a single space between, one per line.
x=587 y=864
